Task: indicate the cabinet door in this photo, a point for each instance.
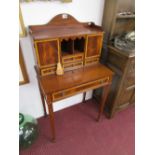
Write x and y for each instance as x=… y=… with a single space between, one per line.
x=126 y=96
x=94 y=45
x=47 y=52
x=130 y=77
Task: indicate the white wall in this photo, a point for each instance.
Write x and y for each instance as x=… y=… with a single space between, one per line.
x=40 y=13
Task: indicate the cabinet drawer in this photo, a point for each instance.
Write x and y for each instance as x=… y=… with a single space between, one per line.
x=92 y=60
x=78 y=89
x=116 y=60
x=47 y=71
x=72 y=58
x=71 y=66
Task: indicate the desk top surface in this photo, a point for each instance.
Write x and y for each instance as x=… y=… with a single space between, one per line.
x=54 y=83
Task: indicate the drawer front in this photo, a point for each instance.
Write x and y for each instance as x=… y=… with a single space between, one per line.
x=116 y=60
x=48 y=71
x=71 y=66
x=90 y=61
x=72 y=58
x=78 y=89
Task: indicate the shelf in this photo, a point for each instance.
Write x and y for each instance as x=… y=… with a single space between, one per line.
x=78 y=52
x=75 y=53
x=74 y=46
x=125 y=16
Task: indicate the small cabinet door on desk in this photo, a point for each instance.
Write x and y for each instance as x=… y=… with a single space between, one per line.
x=94 y=45
x=47 y=52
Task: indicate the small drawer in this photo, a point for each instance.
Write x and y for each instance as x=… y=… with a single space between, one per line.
x=116 y=60
x=72 y=58
x=78 y=89
x=71 y=66
x=48 y=71
x=92 y=60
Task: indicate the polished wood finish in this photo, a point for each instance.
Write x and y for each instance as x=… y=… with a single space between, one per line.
x=103 y=99
x=65 y=39
x=77 y=46
x=51 y=114
x=94 y=46
x=74 y=78
x=63 y=26
x=55 y=88
x=47 y=52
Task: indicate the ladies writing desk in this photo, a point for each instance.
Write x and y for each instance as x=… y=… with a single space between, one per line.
x=76 y=47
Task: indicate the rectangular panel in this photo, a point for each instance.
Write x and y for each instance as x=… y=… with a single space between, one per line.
x=47 y=52
x=72 y=66
x=48 y=71
x=126 y=96
x=130 y=76
x=94 y=45
x=93 y=60
x=81 y=88
x=72 y=58
x=116 y=60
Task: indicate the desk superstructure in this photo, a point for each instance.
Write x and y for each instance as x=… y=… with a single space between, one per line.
x=77 y=47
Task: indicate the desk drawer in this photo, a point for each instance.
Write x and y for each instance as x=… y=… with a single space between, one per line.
x=78 y=89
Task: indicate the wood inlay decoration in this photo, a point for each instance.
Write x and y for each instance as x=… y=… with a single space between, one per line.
x=76 y=46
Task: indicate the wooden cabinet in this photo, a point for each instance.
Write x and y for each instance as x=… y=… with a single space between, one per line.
x=65 y=39
x=122 y=91
x=118 y=18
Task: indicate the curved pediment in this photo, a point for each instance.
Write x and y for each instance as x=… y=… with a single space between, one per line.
x=63 y=19
x=63 y=25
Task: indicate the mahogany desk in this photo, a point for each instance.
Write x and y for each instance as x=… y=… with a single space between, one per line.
x=54 y=87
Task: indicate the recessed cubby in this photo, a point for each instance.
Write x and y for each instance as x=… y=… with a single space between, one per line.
x=72 y=46
x=67 y=47
x=79 y=45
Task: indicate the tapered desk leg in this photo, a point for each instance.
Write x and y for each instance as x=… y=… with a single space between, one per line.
x=43 y=101
x=84 y=96
x=51 y=115
x=103 y=100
